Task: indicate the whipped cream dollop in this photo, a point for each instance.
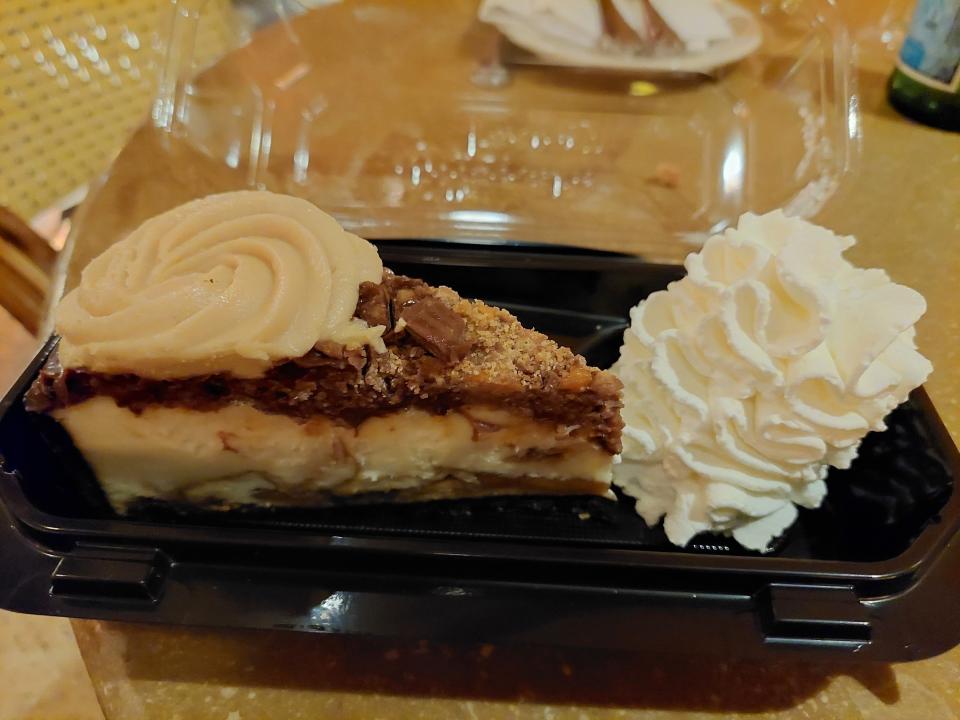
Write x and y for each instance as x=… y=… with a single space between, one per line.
x=228 y=283
x=750 y=377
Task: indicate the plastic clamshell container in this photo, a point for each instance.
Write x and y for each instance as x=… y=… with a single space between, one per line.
x=414 y=120
x=872 y=574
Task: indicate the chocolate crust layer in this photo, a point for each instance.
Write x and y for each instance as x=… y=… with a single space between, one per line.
x=443 y=352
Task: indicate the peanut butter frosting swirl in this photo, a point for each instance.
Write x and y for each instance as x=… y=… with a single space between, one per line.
x=229 y=283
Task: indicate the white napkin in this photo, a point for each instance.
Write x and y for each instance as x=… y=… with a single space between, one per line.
x=696 y=22
x=578 y=22
x=636 y=14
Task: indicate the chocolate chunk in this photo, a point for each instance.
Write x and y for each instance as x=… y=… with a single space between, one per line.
x=374 y=305
x=50 y=389
x=404 y=296
x=226 y=439
x=437 y=328
x=534 y=454
x=326 y=350
x=479 y=426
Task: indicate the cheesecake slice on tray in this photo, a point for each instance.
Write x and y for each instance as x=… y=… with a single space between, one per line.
x=244 y=349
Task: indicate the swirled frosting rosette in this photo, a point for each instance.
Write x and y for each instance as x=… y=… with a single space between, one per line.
x=750 y=377
x=229 y=283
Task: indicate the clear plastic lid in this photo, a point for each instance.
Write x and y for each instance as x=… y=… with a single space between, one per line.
x=416 y=119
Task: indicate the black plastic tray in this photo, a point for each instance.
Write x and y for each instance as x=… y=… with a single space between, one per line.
x=875 y=571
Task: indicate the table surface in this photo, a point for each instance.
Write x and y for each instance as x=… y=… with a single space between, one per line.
x=902 y=205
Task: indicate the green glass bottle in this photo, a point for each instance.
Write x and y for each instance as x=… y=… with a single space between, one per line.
x=925 y=85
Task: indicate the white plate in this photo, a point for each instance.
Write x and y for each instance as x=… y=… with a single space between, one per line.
x=747 y=37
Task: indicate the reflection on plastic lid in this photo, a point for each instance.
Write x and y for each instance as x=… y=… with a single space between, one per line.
x=479 y=216
x=733 y=169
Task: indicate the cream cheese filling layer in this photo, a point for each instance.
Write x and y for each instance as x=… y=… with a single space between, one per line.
x=238 y=454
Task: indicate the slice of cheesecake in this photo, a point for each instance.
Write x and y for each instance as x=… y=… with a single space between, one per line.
x=453 y=399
